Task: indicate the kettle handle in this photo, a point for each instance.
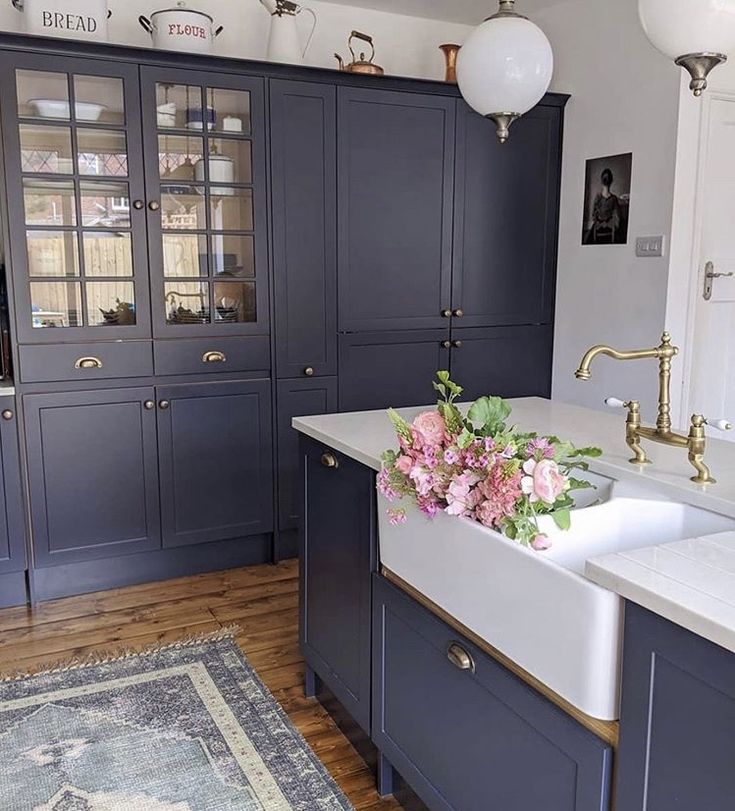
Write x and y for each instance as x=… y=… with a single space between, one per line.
x=218 y=31
x=313 y=29
x=146 y=23
x=364 y=38
x=17 y=4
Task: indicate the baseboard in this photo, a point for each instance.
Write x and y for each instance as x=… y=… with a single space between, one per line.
x=70 y=579
x=13 y=590
x=286 y=545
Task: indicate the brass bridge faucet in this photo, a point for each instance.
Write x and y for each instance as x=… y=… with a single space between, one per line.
x=635 y=431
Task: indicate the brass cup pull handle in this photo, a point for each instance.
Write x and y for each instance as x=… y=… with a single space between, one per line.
x=330 y=460
x=88 y=363
x=309 y=371
x=8 y=414
x=214 y=357
x=164 y=404
x=149 y=405
x=458 y=313
x=460 y=658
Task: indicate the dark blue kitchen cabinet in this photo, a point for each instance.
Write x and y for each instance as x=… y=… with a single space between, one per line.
x=303 y=122
x=297 y=398
x=503 y=361
x=677 y=724
x=464 y=732
x=395 y=180
x=93 y=474
x=506 y=219
x=382 y=369
x=338 y=552
x=214 y=442
x=12 y=514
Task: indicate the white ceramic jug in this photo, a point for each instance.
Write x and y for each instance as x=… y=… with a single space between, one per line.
x=284 y=42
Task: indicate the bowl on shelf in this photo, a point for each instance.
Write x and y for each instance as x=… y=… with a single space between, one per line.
x=196 y=118
x=59 y=108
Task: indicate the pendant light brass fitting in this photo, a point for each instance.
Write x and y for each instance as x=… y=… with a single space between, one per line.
x=507 y=9
x=502 y=123
x=699 y=67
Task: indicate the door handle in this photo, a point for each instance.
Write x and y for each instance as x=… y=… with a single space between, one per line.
x=458 y=313
x=8 y=414
x=709 y=279
x=446 y=344
x=330 y=460
x=456 y=344
x=164 y=404
x=149 y=405
x=460 y=658
x=309 y=371
x=154 y=205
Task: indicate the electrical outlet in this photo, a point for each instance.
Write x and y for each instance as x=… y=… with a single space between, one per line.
x=649 y=246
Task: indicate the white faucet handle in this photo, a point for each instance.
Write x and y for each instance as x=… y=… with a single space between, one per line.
x=720 y=425
x=614 y=402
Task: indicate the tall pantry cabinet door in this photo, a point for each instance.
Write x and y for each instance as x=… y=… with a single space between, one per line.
x=506 y=219
x=395 y=188
x=93 y=474
x=304 y=223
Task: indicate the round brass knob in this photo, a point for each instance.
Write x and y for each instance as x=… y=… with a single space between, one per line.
x=149 y=405
x=138 y=205
x=446 y=313
x=164 y=404
x=458 y=313
x=456 y=344
x=154 y=205
x=330 y=460
x=446 y=344
x=309 y=371
x=8 y=414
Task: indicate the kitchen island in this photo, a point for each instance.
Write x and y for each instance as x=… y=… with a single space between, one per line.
x=461 y=720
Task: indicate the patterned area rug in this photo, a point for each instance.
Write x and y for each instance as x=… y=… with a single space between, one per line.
x=189 y=727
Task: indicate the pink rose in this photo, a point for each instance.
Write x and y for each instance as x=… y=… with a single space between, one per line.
x=543 y=481
x=430 y=425
x=461 y=497
x=541 y=542
x=404 y=464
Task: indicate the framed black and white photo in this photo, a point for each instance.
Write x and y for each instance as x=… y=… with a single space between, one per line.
x=607 y=200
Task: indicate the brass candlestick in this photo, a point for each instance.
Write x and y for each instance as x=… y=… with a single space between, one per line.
x=450 y=56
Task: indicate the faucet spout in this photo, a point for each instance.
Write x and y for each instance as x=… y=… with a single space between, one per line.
x=585 y=373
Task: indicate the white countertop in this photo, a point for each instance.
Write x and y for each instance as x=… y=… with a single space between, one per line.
x=691 y=583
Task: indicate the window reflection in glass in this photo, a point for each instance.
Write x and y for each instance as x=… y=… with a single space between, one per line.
x=184 y=255
x=178 y=106
x=187 y=303
x=110 y=304
x=102 y=152
x=105 y=204
x=56 y=304
x=232 y=255
x=232 y=110
x=46 y=149
x=107 y=253
x=183 y=207
x=234 y=302
x=99 y=98
x=230 y=161
x=49 y=202
x=177 y=157
x=231 y=209
x=42 y=94
x=52 y=253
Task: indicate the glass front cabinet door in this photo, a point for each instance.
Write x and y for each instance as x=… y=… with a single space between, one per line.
x=77 y=199
x=205 y=173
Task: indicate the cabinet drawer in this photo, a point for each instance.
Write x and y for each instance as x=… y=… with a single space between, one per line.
x=476 y=738
x=95 y=361
x=211 y=355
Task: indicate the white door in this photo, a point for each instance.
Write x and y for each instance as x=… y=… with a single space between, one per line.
x=712 y=390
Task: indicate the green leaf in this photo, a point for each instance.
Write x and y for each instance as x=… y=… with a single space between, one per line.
x=580 y=484
x=562 y=518
x=592 y=453
x=402 y=427
x=489 y=414
x=465 y=439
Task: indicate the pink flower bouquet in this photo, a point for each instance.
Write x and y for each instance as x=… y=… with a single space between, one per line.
x=478 y=467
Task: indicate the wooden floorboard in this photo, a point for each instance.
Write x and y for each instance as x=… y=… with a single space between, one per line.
x=261 y=600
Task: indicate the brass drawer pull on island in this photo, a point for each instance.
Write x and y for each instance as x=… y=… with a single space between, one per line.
x=214 y=357
x=459 y=657
x=88 y=363
x=330 y=460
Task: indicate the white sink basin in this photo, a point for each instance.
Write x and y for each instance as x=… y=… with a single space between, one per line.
x=537 y=607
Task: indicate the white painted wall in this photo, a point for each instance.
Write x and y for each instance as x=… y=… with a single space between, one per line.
x=625 y=98
x=406 y=46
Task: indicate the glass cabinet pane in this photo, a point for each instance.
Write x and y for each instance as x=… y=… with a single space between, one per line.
x=230 y=161
x=183 y=207
x=107 y=253
x=177 y=157
x=102 y=152
x=110 y=304
x=232 y=255
x=187 y=303
x=46 y=149
x=49 y=202
x=99 y=98
x=56 y=304
x=42 y=94
x=105 y=204
x=184 y=255
x=178 y=106
x=234 y=302
x=52 y=253
x=232 y=110
x=231 y=209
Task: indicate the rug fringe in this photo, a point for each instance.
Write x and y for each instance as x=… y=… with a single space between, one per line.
x=119 y=654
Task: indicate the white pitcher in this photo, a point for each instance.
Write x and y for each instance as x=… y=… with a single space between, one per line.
x=284 y=42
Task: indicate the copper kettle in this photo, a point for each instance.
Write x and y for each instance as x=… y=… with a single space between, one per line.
x=360 y=65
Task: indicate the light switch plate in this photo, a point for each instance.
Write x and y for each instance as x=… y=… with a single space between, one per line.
x=649 y=246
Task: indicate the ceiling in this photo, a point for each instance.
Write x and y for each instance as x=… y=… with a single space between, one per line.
x=470 y=12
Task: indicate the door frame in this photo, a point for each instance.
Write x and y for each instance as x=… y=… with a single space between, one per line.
x=684 y=285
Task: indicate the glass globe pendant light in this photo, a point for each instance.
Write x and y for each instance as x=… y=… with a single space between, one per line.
x=696 y=34
x=505 y=67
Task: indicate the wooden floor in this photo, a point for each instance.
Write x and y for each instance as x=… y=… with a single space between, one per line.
x=262 y=600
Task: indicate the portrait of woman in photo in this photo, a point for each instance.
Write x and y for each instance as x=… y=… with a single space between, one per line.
x=607 y=201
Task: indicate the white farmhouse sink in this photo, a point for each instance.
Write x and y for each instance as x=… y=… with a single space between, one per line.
x=537 y=607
